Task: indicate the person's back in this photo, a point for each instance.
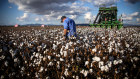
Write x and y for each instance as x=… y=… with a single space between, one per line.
x=69 y=27
x=69 y=24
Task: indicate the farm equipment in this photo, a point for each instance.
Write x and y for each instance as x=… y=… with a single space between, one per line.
x=107 y=18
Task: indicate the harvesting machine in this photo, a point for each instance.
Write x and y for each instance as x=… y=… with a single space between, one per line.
x=107 y=18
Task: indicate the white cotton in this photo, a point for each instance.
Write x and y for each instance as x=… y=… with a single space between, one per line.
x=44 y=59
x=99 y=78
x=65 y=53
x=82 y=71
x=41 y=69
x=2 y=77
x=94 y=50
x=120 y=61
x=86 y=73
x=6 y=63
x=101 y=63
x=25 y=62
x=22 y=68
x=109 y=64
x=61 y=59
x=66 y=72
x=77 y=77
x=54 y=46
x=86 y=63
x=16 y=59
x=119 y=44
x=135 y=58
x=106 y=68
x=67 y=46
x=115 y=62
x=96 y=58
x=2 y=57
x=110 y=49
x=49 y=57
x=46 y=69
x=102 y=68
x=91 y=70
x=70 y=43
x=0 y=50
x=50 y=64
x=37 y=54
x=127 y=45
x=72 y=60
x=125 y=77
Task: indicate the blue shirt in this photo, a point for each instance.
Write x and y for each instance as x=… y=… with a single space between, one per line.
x=69 y=24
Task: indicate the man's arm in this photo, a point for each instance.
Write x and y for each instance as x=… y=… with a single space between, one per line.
x=65 y=32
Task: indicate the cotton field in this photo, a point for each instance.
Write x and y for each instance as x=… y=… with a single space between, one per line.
x=41 y=53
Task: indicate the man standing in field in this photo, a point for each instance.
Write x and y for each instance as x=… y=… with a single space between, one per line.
x=69 y=27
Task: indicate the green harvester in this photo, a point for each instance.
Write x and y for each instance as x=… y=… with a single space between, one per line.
x=107 y=18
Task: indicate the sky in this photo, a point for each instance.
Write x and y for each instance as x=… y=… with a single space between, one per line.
x=50 y=11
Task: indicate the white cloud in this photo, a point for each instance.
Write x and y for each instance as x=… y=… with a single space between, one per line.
x=36 y=19
x=73 y=16
x=89 y=17
x=39 y=19
x=102 y=2
x=22 y=18
x=59 y=17
x=135 y=14
x=130 y=16
x=51 y=8
x=138 y=19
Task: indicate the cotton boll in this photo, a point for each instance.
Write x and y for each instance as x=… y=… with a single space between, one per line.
x=50 y=64
x=127 y=45
x=86 y=73
x=91 y=70
x=102 y=68
x=135 y=58
x=2 y=57
x=66 y=72
x=94 y=50
x=16 y=59
x=77 y=77
x=110 y=49
x=99 y=78
x=44 y=58
x=0 y=50
x=37 y=54
x=41 y=69
x=25 y=62
x=86 y=63
x=109 y=64
x=54 y=46
x=49 y=57
x=120 y=61
x=96 y=59
x=2 y=77
x=82 y=71
x=67 y=46
x=65 y=53
x=115 y=62
x=61 y=59
x=106 y=68
x=6 y=63
x=101 y=63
